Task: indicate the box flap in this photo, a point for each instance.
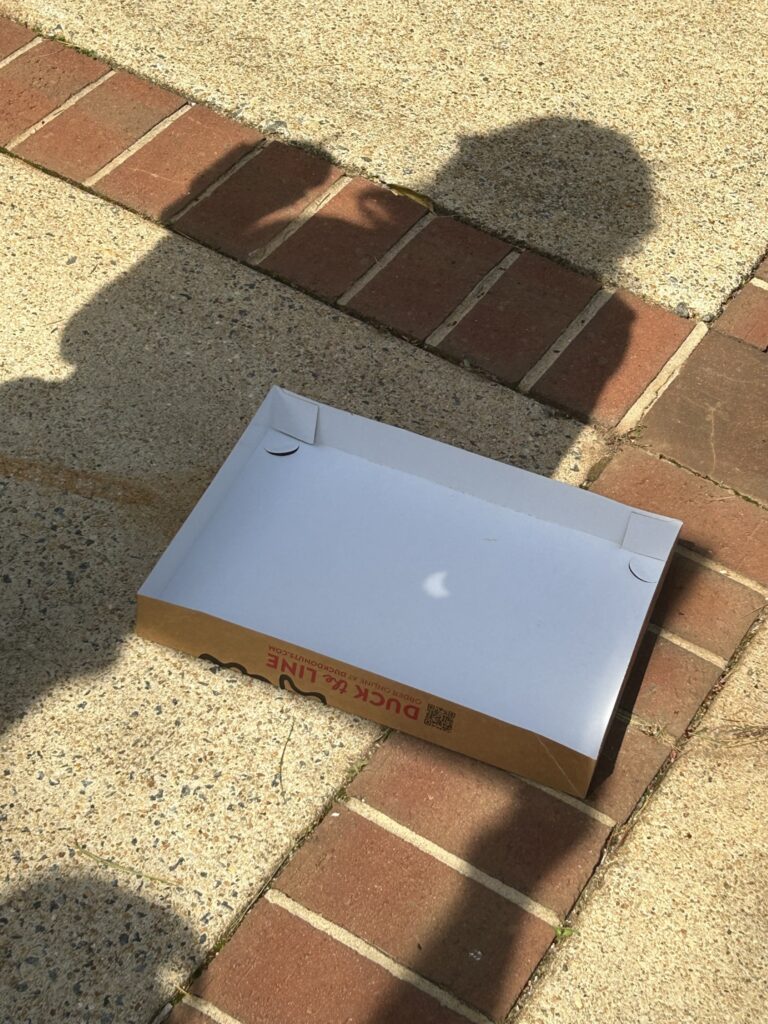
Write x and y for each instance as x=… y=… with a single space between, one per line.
x=651 y=539
x=650 y=535
x=294 y=415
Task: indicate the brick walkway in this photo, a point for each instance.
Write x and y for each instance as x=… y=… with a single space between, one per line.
x=435 y=885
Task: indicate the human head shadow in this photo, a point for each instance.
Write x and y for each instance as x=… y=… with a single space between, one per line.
x=106 y=417
x=573 y=187
x=79 y=948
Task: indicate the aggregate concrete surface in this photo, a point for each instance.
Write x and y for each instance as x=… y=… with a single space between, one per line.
x=627 y=139
x=142 y=801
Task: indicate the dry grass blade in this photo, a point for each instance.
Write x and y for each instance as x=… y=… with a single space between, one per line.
x=282 y=758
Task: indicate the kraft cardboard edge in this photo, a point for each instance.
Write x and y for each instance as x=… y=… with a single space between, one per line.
x=365 y=694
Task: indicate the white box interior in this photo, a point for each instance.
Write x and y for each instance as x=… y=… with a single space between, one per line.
x=507 y=593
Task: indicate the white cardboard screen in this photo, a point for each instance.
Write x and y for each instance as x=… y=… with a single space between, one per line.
x=492 y=587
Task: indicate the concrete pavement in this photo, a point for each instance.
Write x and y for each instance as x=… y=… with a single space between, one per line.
x=623 y=138
x=148 y=800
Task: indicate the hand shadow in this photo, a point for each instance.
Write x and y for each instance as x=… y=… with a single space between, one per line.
x=95 y=435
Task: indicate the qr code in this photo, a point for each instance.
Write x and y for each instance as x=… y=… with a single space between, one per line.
x=439 y=718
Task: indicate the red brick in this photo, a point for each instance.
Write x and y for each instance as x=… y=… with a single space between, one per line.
x=667 y=684
x=277 y=969
x=344 y=239
x=714 y=415
x=628 y=764
x=430 y=277
x=496 y=821
x=614 y=358
x=706 y=607
x=716 y=523
x=746 y=317
x=520 y=318
x=40 y=80
x=259 y=200
x=179 y=163
x=422 y=913
x=762 y=271
x=100 y=126
x=12 y=37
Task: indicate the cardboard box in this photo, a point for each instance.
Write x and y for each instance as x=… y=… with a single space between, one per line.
x=487 y=609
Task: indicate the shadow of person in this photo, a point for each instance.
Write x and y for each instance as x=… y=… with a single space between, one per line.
x=103 y=451
x=579 y=191
x=102 y=465
x=75 y=947
x=563 y=186
x=583 y=192
x=168 y=361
